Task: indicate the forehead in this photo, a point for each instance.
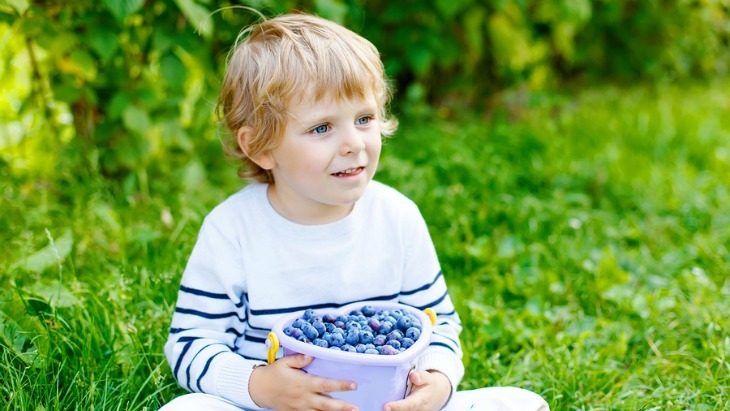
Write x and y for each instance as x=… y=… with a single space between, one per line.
x=310 y=100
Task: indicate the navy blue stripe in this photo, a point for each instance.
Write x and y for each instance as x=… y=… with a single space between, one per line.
x=435 y=302
x=205 y=369
x=178 y=330
x=424 y=287
x=190 y=364
x=203 y=293
x=254 y=339
x=434 y=344
x=180 y=358
x=319 y=306
x=234 y=331
x=448 y=338
x=257 y=328
x=446 y=322
x=186 y=339
x=210 y=316
x=252 y=358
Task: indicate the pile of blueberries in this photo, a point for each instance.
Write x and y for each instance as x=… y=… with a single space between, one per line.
x=367 y=330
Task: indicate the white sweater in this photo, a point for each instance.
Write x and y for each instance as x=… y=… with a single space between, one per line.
x=250 y=266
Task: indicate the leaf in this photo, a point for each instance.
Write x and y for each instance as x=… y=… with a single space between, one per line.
x=449 y=8
x=19 y=5
x=49 y=255
x=135 y=119
x=11 y=334
x=197 y=15
x=103 y=41
x=55 y=293
x=79 y=63
x=122 y=8
x=333 y=10
x=173 y=71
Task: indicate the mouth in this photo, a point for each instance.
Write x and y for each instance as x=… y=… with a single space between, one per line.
x=349 y=172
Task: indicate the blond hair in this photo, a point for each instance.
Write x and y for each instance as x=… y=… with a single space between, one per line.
x=283 y=59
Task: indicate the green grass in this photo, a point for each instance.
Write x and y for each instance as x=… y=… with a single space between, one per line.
x=585 y=239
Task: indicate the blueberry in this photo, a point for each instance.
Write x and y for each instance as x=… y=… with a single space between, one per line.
x=337 y=340
x=353 y=336
x=319 y=326
x=368 y=310
x=383 y=332
x=385 y=327
x=374 y=324
x=379 y=340
x=388 y=350
x=296 y=333
x=309 y=313
x=413 y=333
x=394 y=343
x=404 y=323
x=366 y=337
x=310 y=331
x=394 y=335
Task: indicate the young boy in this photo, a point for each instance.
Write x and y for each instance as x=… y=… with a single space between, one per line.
x=306 y=101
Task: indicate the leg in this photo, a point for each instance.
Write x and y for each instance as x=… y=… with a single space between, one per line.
x=199 y=402
x=497 y=399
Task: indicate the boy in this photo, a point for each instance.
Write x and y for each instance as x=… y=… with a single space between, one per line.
x=306 y=101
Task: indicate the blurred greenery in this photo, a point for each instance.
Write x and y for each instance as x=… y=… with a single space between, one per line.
x=572 y=159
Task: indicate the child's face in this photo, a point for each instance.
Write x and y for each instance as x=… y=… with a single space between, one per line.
x=326 y=159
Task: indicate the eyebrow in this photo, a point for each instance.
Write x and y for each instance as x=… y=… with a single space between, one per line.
x=327 y=117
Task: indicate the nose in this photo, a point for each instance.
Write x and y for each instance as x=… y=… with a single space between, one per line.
x=352 y=142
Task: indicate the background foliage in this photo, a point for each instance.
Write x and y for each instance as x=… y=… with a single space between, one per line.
x=581 y=218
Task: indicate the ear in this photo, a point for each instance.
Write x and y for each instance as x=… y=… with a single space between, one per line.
x=264 y=160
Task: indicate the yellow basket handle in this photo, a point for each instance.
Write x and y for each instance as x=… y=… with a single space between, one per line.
x=272 y=343
x=431 y=314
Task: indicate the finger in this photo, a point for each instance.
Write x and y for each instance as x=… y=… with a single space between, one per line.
x=297 y=361
x=326 y=403
x=418 y=378
x=325 y=385
x=408 y=403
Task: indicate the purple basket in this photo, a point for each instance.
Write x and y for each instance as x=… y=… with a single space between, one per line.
x=380 y=378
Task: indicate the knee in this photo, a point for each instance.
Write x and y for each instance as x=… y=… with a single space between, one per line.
x=197 y=402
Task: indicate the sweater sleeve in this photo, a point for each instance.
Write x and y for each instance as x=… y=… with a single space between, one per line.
x=424 y=287
x=209 y=316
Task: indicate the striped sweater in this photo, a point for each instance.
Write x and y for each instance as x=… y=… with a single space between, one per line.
x=250 y=266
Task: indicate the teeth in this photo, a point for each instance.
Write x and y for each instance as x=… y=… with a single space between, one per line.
x=348 y=171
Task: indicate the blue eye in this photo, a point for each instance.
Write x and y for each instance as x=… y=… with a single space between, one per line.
x=363 y=120
x=321 y=129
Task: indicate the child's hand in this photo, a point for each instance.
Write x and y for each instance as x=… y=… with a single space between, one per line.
x=431 y=390
x=284 y=386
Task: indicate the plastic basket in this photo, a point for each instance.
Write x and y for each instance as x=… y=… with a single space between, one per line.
x=380 y=378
